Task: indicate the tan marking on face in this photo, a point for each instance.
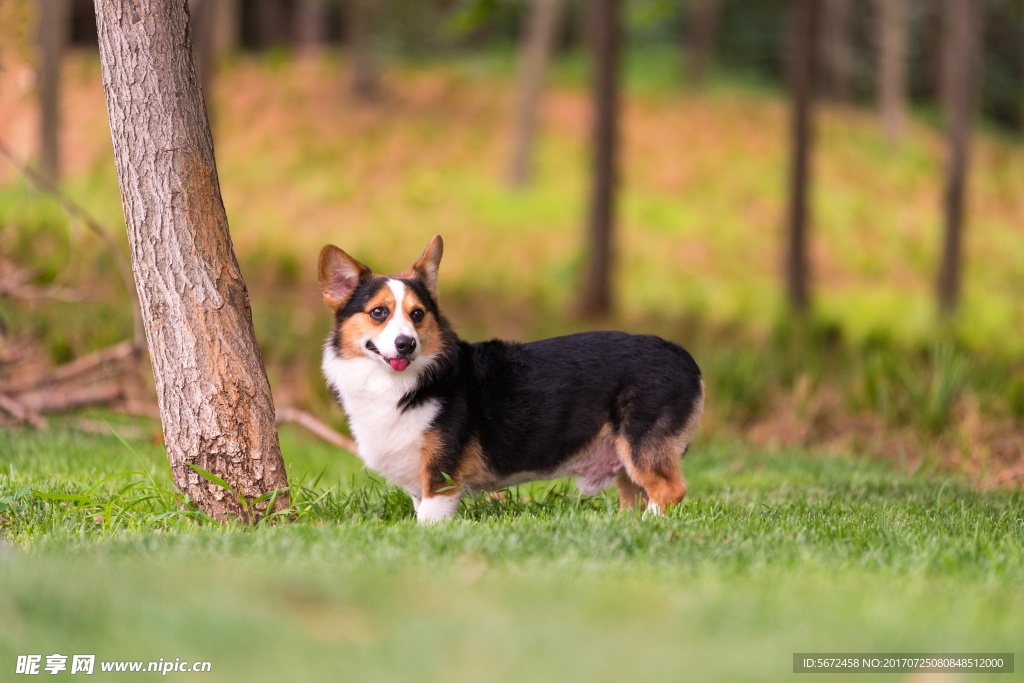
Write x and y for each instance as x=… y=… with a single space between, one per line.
x=358 y=328
x=428 y=331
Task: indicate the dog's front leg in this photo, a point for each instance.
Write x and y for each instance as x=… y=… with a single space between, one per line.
x=441 y=490
x=416 y=500
x=438 y=507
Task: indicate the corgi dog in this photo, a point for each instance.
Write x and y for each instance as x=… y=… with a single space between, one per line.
x=439 y=416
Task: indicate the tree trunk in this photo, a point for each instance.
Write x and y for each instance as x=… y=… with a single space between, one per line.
x=311 y=25
x=702 y=30
x=835 y=47
x=203 y=18
x=227 y=30
x=214 y=397
x=892 y=66
x=270 y=18
x=53 y=37
x=364 y=83
x=537 y=43
x=932 y=46
x=803 y=55
x=597 y=300
x=959 y=70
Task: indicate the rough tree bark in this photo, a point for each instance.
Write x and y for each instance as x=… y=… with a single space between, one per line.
x=596 y=299
x=960 y=52
x=538 y=39
x=835 y=48
x=701 y=32
x=892 y=66
x=54 y=29
x=214 y=397
x=804 y=29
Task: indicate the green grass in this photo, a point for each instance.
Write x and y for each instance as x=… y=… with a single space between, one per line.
x=771 y=553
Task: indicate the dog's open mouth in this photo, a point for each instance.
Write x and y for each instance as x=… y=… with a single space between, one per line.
x=398 y=364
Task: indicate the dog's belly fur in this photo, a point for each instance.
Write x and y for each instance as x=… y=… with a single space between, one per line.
x=594 y=469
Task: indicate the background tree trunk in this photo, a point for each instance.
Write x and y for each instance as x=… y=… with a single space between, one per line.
x=892 y=66
x=364 y=83
x=837 y=59
x=53 y=37
x=596 y=299
x=227 y=28
x=270 y=19
x=203 y=19
x=959 y=68
x=700 y=39
x=932 y=46
x=214 y=397
x=537 y=44
x=311 y=25
x=804 y=37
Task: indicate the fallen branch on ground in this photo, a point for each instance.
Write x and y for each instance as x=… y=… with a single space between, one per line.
x=304 y=419
x=1005 y=475
x=14 y=283
x=50 y=400
x=21 y=412
x=76 y=368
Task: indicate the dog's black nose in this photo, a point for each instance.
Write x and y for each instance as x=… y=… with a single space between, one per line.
x=405 y=344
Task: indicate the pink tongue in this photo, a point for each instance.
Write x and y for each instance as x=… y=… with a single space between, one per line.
x=399 y=364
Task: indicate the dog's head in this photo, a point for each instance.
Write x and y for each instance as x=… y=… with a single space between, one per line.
x=391 y=320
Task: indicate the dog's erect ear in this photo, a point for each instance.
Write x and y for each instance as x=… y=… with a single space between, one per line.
x=426 y=265
x=340 y=274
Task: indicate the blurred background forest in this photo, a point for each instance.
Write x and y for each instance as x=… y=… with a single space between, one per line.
x=822 y=199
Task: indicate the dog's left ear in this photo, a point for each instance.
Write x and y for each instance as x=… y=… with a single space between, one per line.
x=426 y=265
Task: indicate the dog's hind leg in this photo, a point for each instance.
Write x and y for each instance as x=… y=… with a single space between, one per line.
x=631 y=494
x=664 y=488
x=655 y=467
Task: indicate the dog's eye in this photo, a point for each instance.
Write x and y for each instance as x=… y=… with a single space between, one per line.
x=416 y=315
x=379 y=313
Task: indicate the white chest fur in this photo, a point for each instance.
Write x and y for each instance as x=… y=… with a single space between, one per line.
x=388 y=438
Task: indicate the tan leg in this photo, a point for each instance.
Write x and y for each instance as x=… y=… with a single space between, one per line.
x=665 y=489
x=630 y=494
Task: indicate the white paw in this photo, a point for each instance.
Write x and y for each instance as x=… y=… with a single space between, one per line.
x=437 y=508
x=653 y=510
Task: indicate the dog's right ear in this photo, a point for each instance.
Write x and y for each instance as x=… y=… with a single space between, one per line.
x=340 y=274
